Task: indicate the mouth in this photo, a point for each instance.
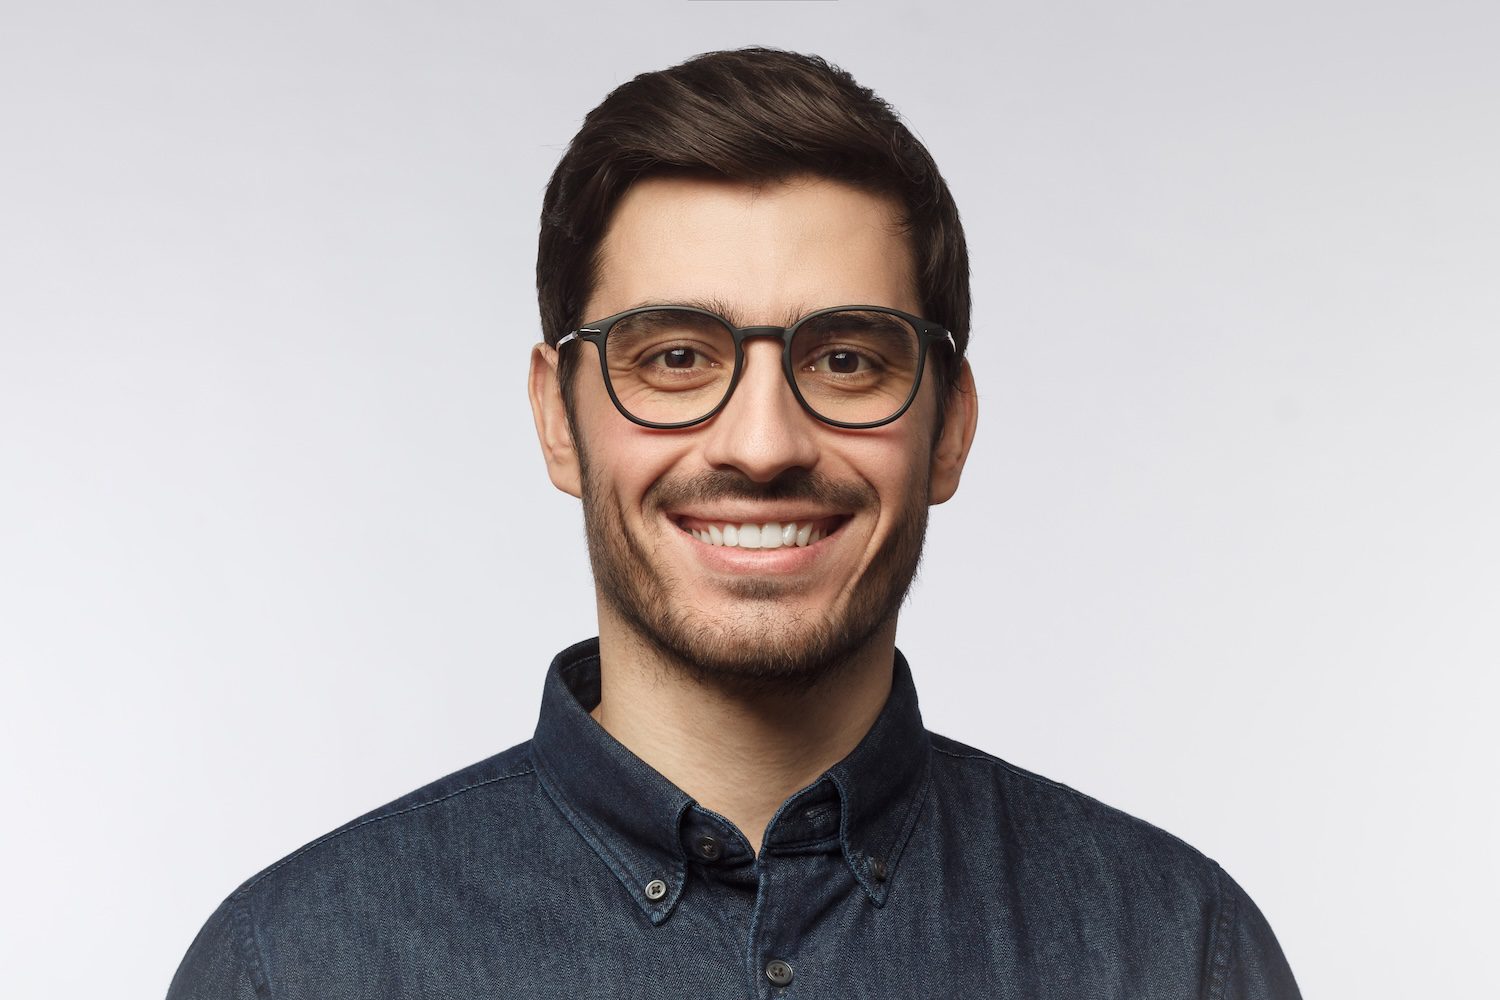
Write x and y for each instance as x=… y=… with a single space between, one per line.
x=799 y=533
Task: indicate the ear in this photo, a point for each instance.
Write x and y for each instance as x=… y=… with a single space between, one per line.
x=544 y=385
x=952 y=448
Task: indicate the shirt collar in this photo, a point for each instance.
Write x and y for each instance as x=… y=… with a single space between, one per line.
x=634 y=818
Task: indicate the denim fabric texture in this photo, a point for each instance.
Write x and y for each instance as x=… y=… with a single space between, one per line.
x=566 y=867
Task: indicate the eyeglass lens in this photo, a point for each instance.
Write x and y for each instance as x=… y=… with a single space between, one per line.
x=670 y=366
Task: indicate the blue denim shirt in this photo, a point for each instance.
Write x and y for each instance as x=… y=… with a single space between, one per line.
x=566 y=867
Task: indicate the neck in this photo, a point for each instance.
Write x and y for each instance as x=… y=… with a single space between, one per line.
x=738 y=752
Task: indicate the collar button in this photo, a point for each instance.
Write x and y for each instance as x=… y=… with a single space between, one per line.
x=708 y=848
x=877 y=869
x=656 y=890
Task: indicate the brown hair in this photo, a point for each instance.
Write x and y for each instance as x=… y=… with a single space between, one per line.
x=756 y=115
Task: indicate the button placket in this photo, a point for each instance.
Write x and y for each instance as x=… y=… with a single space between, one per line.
x=787 y=896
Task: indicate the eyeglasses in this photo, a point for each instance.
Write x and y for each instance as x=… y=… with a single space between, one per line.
x=675 y=366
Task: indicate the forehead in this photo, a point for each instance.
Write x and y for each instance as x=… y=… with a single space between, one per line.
x=767 y=252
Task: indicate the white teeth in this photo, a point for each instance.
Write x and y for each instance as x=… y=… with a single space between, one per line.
x=771 y=535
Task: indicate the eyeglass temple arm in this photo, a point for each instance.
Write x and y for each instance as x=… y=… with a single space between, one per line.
x=574 y=335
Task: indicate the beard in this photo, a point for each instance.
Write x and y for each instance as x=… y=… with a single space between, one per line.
x=774 y=646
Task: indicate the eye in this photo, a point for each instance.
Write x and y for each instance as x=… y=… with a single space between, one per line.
x=679 y=359
x=843 y=362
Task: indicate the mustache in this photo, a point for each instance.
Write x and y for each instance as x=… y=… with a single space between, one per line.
x=793 y=484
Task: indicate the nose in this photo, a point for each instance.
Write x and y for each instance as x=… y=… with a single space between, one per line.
x=762 y=431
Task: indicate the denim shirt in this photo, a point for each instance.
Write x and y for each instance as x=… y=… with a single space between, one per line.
x=567 y=867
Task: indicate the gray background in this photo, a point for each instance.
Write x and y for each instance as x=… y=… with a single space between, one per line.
x=277 y=545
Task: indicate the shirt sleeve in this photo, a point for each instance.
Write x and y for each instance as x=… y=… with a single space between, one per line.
x=1246 y=962
x=223 y=962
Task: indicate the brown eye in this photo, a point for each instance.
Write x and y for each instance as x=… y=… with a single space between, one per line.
x=679 y=357
x=843 y=363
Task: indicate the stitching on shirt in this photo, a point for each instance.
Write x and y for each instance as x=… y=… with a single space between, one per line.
x=376 y=819
x=909 y=823
x=616 y=864
x=1011 y=768
x=250 y=949
x=1221 y=947
x=619 y=866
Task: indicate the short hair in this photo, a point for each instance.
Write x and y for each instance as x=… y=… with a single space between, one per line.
x=756 y=115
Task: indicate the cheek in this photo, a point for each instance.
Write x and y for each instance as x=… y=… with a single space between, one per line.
x=623 y=461
x=890 y=459
x=603 y=436
x=591 y=404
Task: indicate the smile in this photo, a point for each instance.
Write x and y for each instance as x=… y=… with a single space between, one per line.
x=763 y=535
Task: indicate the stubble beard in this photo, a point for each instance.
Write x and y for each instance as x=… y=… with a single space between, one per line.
x=776 y=646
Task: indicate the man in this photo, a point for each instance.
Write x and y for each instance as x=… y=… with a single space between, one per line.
x=754 y=295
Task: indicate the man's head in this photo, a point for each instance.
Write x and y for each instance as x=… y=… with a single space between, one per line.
x=753 y=115
x=764 y=185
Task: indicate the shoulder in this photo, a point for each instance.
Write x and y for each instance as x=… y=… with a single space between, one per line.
x=1033 y=817
x=315 y=904
x=447 y=806
x=448 y=829
x=447 y=802
x=1085 y=871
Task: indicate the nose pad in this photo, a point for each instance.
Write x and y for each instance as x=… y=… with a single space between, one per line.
x=763 y=430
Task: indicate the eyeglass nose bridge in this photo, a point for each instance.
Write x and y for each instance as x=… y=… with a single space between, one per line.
x=744 y=333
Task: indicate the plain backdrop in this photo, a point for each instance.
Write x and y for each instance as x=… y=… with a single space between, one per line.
x=277 y=544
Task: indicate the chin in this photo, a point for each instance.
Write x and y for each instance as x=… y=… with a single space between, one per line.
x=767 y=649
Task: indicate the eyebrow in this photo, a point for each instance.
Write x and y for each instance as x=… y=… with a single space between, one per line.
x=718 y=307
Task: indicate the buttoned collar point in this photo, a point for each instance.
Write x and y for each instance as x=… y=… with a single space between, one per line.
x=646 y=830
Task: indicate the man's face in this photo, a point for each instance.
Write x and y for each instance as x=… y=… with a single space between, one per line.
x=754 y=616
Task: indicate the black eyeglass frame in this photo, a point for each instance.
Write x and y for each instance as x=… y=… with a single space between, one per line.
x=928 y=333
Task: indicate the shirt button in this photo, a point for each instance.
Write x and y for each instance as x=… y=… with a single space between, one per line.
x=778 y=972
x=708 y=848
x=655 y=889
x=877 y=868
